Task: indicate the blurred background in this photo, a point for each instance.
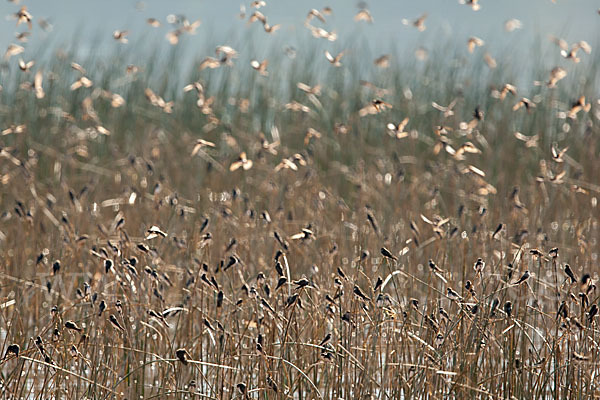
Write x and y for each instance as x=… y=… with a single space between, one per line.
x=89 y=24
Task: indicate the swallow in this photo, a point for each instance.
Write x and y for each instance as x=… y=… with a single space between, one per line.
x=101 y=307
x=570 y=273
x=364 y=15
x=378 y=284
x=73 y=326
x=335 y=61
x=301 y=283
x=563 y=310
x=183 y=355
x=12 y=349
x=25 y=66
x=382 y=61
x=325 y=340
x=434 y=267
x=398 y=129
x=498 y=229
x=241 y=387
x=261 y=67
x=479 y=266
x=386 y=253
x=452 y=295
x=113 y=320
x=522 y=279
x=314 y=13
x=474 y=42
x=272 y=384
x=508 y=308
x=291 y=300
x=358 y=292
x=120 y=36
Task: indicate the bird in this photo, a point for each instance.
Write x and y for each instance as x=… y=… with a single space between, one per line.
x=358 y=292
x=101 y=307
x=13 y=50
x=120 y=36
x=13 y=349
x=325 y=340
x=314 y=13
x=434 y=267
x=335 y=61
x=556 y=75
x=418 y=23
x=387 y=254
x=378 y=284
x=522 y=279
x=398 y=129
x=73 y=326
x=242 y=162
x=182 y=355
x=563 y=310
x=25 y=66
x=301 y=283
x=23 y=16
x=452 y=295
x=364 y=15
x=261 y=67
x=570 y=273
x=291 y=300
x=382 y=61
x=113 y=320
x=508 y=308
x=474 y=42
x=282 y=281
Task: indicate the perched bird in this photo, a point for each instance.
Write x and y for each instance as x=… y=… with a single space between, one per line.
x=434 y=267
x=291 y=300
x=113 y=320
x=241 y=387
x=301 y=283
x=101 y=307
x=325 y=340
x=479 y=266
x=282 y=281
x=570 y=273
x=387 y=254
x=378 y=284
x=453 y=295
x=522 y=279
x=73 y=326
x=183 y=355
x=12 y=349
x=563 y=310
x=508 y=309
x=359 y=293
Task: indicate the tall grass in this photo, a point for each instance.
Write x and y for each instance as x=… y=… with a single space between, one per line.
x=66 y=188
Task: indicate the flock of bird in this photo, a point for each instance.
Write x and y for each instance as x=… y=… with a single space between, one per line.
x=349 y=293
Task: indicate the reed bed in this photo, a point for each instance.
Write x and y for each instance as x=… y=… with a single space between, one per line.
x=254 y=239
